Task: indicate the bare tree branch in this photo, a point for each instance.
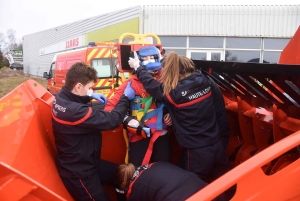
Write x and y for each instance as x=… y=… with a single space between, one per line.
x=11 y=35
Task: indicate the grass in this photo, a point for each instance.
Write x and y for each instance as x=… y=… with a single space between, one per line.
x=10 y=79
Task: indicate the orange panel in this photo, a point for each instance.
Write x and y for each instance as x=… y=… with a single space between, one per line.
x=27 y=145
x=290 y=54
x=253 y=184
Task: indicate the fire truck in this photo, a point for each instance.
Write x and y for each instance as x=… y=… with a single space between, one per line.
x=263 y=108
x=110 y=59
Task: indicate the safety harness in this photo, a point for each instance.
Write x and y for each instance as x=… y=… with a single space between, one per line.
x=140 y=107
x=142 y=114
x=140 y=129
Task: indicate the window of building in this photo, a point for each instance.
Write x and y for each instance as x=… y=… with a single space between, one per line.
x=102 y=66
x=271 y=57
x=211 y=55
x=215 y=56
x=173 y=41
x=206 y=42
x=178 y=51
x=198 y=55
x=275 y=43
x=243 y=43
x=236 y=48
x=242 y=56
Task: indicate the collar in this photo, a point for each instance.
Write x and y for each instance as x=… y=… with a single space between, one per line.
x=67 y=94
x=192 y=76
x=138 y=171
x=154 y=74
x=136 y=174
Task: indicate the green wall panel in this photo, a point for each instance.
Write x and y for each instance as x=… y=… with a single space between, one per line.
x=113 y=32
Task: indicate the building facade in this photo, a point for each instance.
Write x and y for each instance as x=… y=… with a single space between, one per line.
x=225 y=32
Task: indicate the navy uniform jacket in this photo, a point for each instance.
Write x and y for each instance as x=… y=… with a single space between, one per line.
x=77 y=131
x=191 y=108
x=220 y=109
x=163 y=181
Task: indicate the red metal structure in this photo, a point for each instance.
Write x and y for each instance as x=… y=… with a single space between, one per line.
x=263 y=106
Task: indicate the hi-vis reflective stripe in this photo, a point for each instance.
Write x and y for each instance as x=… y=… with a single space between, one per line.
x=100 y=53
x=104 y=83
x=110 y=95
x=91 y=54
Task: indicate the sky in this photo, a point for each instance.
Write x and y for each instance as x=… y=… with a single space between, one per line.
x=31 y=16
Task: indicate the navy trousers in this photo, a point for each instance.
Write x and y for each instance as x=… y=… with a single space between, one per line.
x=90 y=187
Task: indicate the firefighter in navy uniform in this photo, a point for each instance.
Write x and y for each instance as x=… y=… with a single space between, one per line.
x=77 y=131
x=159 y=181
x=187 y=95
x=221 y=113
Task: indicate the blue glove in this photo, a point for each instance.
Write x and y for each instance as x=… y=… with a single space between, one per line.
x=100 y=97
x=129 y=92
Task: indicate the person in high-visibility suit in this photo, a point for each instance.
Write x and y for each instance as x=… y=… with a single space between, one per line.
x=149 y=142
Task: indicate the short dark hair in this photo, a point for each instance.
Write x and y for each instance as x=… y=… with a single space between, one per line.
x=80 y=73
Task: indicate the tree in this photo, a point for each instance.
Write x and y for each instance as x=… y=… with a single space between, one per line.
x=3 y=60
x=2 y=41
x=9 y=42
x=11 y=35
x=1 y=56
x=19 y=46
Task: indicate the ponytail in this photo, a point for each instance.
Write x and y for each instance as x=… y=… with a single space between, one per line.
x=174 y=68
x=124 y=174
x=170 y=72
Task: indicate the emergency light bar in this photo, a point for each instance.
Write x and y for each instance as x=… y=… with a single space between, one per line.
x=102 y=44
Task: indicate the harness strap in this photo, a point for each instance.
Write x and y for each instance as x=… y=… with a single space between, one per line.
x=143 y=115
x=134 y=179
x=142 y=133
x=148 y=154
x=159 y=112
x=140 y=128
x=126 y=121
x=139 y=100
x=147 y=101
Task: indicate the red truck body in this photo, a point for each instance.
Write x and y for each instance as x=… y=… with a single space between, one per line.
x=263 y=108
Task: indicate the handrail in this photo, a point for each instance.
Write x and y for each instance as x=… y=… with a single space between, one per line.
x=139 y=38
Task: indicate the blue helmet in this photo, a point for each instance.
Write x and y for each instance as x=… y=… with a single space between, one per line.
x=150 y=51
